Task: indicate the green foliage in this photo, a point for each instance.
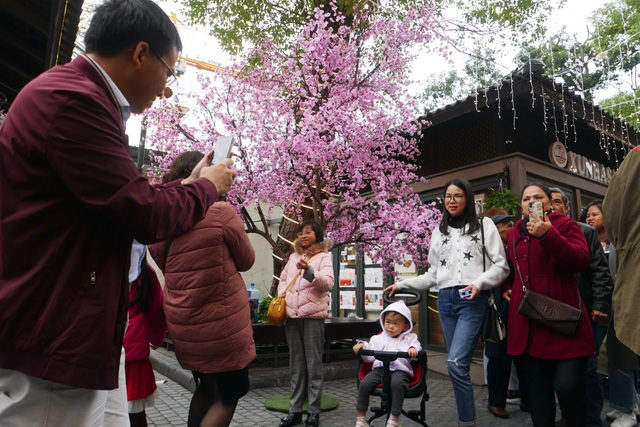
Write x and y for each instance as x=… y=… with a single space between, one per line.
x=617 y=35
x=525 y=17
x=625 y=105
x=479 y=72
x=576 y=61
x=263 y=307
x=240 y=23
x=504 y=199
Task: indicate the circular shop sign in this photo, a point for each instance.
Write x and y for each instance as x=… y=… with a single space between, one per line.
x=558 y=154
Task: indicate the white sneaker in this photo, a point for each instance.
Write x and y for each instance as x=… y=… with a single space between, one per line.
x=612 y=415
x=625 y=420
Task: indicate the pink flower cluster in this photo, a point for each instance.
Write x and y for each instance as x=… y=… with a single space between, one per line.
x=331 y=124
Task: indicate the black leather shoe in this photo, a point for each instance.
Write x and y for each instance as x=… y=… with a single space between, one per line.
x=313 y=420
x=292 y=419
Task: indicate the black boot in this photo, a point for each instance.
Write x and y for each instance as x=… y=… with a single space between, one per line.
x=313 y=420
x=292 y=419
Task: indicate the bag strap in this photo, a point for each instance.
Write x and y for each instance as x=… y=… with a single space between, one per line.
x=484 y=250
x=294 y=278
x=524 y=288
x=291 y=282
x=515 y=258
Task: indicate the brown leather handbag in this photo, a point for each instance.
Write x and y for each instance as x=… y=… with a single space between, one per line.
x=548 y=311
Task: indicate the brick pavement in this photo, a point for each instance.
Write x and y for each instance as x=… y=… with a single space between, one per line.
x=172 y=403
x=172 y=406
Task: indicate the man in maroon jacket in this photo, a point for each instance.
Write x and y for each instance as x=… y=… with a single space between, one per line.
x=71 y=203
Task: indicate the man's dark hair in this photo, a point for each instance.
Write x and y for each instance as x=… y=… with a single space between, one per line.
x=121 y=24
x=565 y=199
x=469 y=216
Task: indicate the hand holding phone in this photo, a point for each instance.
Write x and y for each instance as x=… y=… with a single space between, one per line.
x=222 y=149
x=536 y=211
x=465 y=293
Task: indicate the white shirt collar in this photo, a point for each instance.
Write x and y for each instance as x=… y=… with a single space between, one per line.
x=124 y=104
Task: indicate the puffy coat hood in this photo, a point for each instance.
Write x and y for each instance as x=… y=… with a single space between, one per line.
x=401 y=308
x=316 y=248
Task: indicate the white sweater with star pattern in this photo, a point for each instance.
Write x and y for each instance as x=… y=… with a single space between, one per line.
x=456 y=260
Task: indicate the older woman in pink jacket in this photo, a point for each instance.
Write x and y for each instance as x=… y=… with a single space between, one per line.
x=207 y=307
x=309 y=277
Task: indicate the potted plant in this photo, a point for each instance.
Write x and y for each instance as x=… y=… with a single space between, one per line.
x=504 y=199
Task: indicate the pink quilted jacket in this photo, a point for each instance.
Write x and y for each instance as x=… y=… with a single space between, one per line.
x=309 y=299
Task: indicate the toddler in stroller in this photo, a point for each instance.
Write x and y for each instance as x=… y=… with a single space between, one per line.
x=396 y=336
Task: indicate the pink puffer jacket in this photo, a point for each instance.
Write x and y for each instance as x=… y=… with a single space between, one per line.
x=309 y=299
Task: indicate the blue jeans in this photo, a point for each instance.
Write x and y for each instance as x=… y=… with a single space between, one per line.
x=595 y=392
x=622 y=389
x=461 y=324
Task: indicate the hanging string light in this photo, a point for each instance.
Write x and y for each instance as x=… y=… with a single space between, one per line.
x=544 y=107
x=513 y=103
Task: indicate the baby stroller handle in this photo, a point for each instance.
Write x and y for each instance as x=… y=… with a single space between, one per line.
x=390 y=356
x=417 y=296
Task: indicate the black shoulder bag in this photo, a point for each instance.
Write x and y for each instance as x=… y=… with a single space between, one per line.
x=493 y=327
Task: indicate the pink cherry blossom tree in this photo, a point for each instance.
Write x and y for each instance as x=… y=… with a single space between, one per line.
x=326 y=131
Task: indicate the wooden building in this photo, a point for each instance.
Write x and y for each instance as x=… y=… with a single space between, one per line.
x=523 y=129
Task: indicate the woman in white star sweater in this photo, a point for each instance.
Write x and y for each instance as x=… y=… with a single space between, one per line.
x=457 y=262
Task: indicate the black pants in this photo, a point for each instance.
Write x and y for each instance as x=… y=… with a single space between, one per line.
x=498 y=373
x=567 y=378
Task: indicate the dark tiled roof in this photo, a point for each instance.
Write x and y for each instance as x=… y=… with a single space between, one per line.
x=35 y=35
x=520 y=80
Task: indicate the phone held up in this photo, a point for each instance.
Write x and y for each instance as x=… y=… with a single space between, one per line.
x=536 y=210
x=222 y=149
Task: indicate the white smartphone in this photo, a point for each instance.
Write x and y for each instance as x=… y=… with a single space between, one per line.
x=222 y=149
x=536 y=209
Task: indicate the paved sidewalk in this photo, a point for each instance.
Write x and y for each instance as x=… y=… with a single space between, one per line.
x=172 y=403
x=172 y=406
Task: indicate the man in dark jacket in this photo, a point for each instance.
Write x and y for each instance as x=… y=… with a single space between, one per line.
x=596 y=287
x=72 y=202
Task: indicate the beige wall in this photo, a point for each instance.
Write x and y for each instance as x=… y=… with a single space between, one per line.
x=262 y=270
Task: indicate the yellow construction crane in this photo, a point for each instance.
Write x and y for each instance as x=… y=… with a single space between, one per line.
x=183 y=61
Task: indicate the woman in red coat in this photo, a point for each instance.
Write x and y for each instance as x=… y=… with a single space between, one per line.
x=545 y=253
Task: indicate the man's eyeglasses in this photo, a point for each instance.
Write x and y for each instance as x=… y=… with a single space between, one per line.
x=455 y=197
x=171 y=78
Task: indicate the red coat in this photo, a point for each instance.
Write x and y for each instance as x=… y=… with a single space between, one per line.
x=71 y=203
x=548 y=266
x=206 y=300
x=148 y=327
